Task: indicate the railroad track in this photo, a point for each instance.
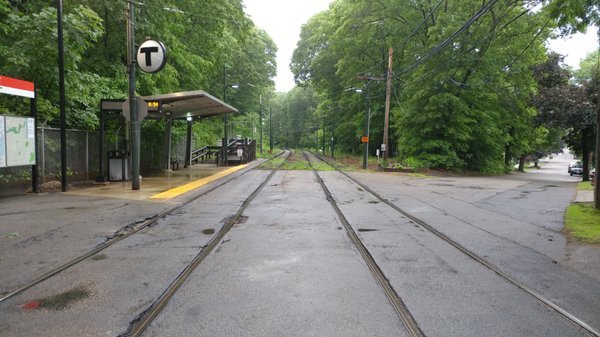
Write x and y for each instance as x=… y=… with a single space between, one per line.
x=130 y=230
x=141 y=323
x=401 y=309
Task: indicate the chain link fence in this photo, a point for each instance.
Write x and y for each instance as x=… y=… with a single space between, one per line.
x=82 y=158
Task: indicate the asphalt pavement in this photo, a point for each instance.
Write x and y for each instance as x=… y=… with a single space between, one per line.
x=288 y=268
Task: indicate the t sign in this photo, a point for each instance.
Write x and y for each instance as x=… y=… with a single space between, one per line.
x=151 y=56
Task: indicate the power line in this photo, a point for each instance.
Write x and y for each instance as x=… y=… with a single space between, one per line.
x=414 y=31
x=420 y=24
x=451 y=38
x=478 y=41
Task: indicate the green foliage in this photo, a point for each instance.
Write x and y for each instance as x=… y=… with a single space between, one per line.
x=32 y=45
x=463 y=108
x=588 y=68
x=562 y=104
x=573 y=15
x=202 y=38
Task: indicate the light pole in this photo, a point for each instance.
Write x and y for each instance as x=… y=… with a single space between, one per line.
x=333 y=131
x=365 y=138
x=225 y=137
x=270 y=131
x=61 y=85
x=367 y=126
x=323 y=136
x=260 y=123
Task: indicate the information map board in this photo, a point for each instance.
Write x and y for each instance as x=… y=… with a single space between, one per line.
x=17 y=141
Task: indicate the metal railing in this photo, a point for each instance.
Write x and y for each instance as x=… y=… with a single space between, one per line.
x=229 y=155
x=204 y=153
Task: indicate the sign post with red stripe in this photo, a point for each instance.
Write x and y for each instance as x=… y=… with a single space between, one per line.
x=13 y=86
x=16 y=87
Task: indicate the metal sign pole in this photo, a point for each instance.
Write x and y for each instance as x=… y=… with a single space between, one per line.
x=135 y=124
x=34 y=168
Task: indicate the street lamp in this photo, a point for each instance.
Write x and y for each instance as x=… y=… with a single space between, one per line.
x=226 y=138
x=367 y=126
x=365 y=138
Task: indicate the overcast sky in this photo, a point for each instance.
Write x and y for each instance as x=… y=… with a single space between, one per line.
x=577 y=47
x=282 y=19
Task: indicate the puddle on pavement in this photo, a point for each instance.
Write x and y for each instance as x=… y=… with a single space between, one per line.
x=99 y=257
x=59 y=301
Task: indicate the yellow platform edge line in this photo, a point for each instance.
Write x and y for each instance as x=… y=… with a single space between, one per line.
x=177 y=191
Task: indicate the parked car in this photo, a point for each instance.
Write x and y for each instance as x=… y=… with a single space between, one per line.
x=573 y=163
x=576 y=169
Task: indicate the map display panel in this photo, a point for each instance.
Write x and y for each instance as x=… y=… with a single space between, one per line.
x=19 y=139
x=2 y=143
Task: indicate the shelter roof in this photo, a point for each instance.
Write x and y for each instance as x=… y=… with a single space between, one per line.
x=196 y=103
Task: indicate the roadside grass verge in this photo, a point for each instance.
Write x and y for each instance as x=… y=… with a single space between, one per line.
x=585 y=186
x=582 y=222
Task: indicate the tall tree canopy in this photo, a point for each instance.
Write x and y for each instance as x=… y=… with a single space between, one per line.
x=202 y=37
x=462 y=76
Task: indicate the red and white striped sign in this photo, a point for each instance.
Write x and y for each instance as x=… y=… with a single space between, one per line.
x=13 y=86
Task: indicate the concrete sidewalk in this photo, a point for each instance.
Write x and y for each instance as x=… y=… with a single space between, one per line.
x=584 y=196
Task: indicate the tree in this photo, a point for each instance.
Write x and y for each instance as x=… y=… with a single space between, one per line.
x=33 y=43
x=462 y=78
x=201 y=37
x=565 y=105
x=575 y=16
x=468 y=104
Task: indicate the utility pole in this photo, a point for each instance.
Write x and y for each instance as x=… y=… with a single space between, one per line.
x=135 y=124
x=388 y=94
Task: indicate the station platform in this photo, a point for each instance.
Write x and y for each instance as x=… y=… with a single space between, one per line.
x=164 y=185
x=39 y=232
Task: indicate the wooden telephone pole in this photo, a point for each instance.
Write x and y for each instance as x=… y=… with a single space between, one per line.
x=388 y=94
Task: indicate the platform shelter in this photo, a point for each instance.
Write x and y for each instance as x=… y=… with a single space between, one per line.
x=190 y=105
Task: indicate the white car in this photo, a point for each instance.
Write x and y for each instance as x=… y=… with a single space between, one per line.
x=573 y=163
x=576 y=169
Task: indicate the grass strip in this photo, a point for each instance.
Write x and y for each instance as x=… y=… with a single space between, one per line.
x=582 y=222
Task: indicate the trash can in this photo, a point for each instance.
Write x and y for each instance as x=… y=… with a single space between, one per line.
x=118 y=168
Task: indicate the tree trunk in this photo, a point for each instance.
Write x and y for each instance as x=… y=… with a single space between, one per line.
x=585 y=160
x=507 y=155
x=522 y=163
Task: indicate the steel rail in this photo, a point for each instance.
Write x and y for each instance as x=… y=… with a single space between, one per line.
x=141 y=225
x=140 y=325
x=563 y=312
x=411 y=325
